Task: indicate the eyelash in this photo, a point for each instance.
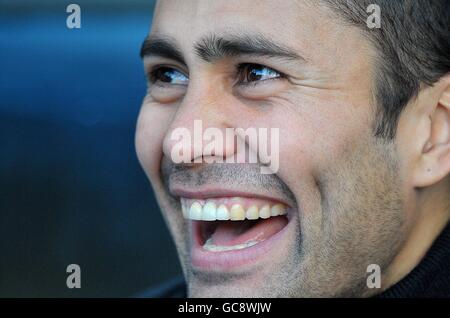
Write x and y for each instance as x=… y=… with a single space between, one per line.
x=153 y=74
x=240 y=74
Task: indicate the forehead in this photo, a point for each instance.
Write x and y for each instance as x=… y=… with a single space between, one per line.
x=216 y=13
x=298 y=23
x=307 y=27
x=334 y=51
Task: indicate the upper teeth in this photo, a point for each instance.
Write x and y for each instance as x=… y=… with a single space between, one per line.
x=212 y=211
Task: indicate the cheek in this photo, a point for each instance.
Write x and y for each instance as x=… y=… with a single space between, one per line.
x=152 y=125
x=326 y=130
x=316 y=136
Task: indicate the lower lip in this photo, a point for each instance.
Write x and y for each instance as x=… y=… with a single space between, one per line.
x=229 y=260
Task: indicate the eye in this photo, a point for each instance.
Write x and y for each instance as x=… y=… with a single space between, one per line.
x=168 y=75
x=248 y=73
x=167 y=84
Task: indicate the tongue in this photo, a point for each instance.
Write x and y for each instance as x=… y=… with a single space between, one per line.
x=239 y=232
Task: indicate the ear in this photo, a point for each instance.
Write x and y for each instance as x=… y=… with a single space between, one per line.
x=434 y=161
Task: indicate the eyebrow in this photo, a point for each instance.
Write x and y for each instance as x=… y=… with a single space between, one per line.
x=213 y=47
x=163 y=47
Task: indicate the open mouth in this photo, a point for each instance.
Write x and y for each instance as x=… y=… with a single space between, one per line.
x=224 y=229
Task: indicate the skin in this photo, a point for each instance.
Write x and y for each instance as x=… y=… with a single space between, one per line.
x=358 y=200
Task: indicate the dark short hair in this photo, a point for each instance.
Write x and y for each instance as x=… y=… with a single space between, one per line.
x=413 y=50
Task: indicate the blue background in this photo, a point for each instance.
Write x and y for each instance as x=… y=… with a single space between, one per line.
x=71 y=188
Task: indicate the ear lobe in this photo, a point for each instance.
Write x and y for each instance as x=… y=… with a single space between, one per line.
x=434 y=162
x=445 y=99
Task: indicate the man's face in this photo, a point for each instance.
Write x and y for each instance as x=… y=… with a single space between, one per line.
x=339 y=184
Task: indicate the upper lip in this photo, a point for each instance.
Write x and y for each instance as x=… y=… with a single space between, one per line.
x=216 y=192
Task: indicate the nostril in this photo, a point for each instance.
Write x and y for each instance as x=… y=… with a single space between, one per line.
x=177 y=145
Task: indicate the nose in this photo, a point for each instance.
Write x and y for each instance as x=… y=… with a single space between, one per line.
x=200 y=120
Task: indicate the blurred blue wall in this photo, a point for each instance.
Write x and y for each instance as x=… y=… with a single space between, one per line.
x=71 y=188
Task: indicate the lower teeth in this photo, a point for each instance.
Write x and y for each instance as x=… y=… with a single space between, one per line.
x=209 y=246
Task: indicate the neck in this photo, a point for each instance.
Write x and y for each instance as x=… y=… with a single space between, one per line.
x=429 y=217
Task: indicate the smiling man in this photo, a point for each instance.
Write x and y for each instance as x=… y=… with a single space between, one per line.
x=363 y=116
